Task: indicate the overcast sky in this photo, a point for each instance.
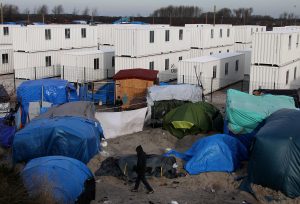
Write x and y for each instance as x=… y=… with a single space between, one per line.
x=145 y=7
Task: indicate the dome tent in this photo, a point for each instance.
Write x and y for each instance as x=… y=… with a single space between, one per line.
x=63 y=179
x=193 y=118
x=276 y=153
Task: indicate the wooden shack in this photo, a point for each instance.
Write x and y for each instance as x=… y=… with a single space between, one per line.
x=132 y=84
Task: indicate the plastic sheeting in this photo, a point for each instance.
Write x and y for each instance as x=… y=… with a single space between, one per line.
x=116 y=124
x=6 y=134
x=217 y=153
x=62 y=177
x=245 y=112
x=74 y=137
x=274 y=161
x=54 y=91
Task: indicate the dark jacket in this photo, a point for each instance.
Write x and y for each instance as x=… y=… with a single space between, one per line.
x=141 y=161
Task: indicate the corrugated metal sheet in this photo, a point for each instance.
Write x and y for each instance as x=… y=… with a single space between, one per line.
x=209 y=36
x=204 y=70
x=134 y=41
x=274 y=48
x=33 y=38
x=79 y=66
x=6 y=66
x=210 y=51
x=268 y=77
x=244 y=33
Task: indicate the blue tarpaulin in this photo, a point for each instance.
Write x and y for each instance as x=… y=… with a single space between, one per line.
x=105 y=94
x=54 y=91
x=60 y=176
x=6 y=134
x=74 y=137
x=217 y=153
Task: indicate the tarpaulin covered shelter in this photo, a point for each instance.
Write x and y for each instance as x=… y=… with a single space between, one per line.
x=245 y=112
x=6 y=133
x=217 y=153
x=70 y=136
x=193 y=118
x=66 y=180
x=274 y=161
x=54 y=91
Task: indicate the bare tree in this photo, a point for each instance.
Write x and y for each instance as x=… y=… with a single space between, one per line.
x=86 y=11
x=75 y=12
x=57 y=10
x=9 y=11
x=42 y=10
x=94 y=12
x=177 y=11
x=225 y=12
x=26 y=11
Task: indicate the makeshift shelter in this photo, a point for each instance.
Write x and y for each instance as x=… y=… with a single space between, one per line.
x=133 y=83
x=70 y=136
x=193 y=118
x=6 y=133
x=65 y=180
x=217 y=153
x=244 y=112
x=54 y=91
x=274 y=161
x=4 y=101
x=124 y=167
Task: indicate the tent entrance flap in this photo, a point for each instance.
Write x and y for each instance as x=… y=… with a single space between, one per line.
x=182 y=124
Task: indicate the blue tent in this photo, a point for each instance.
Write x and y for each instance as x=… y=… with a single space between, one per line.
x=6 y=133
x=217 y=153
x=70 y=136
x=64 y=178
x=54 y=91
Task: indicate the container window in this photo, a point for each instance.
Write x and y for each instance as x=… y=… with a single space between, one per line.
x=96 y=63
x=47 y=34
x=226 y=68
x=83 y=33
x=228 y=32
x=167 y=63
x=227 y=50
x=180 y=58
x=4 y=58
x=221 y=33
x=67 y=33
x=290 y=42
x=151 y=65
x=48 y=61
x=113 y=61
x=167 y=37
x=180 y=34
x=237 y=65
x=5 y=31
x=220 y=51
x=212 y=33
x=262 y=29
x=295 y=73
x=152 y=36
x=211 y=53
x=287 y=77
x=214 y=72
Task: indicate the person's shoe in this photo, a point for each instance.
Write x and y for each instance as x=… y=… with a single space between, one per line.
x=150 y=192
x=134 y=190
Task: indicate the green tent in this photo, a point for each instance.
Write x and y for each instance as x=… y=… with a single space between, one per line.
x=193 y=118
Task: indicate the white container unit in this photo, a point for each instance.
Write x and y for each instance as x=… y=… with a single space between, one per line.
x=247 y=60
x=210 y=51
x=166 y=64
x=286 y=28
x=34 y=38
x=276 y=48
x=209 y=36
x=242 y=46
x=6 y=57
x=244 y=33
x=6 y=33
x=268 y=77
x=145 y=40
x=88 y=65
x=213 y=72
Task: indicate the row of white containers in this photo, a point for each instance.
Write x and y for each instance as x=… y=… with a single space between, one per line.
x=209 y=36
x=211 y=71
x=88 y=65
x=244 y=33
x=146 y=40
x=34 y=38
x=268 y=77
x=276 y=47
x=6 y=59
x=34 y=65
x=166 y=64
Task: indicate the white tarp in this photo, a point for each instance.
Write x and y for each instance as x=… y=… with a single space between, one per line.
x=181 y=92
x=116 y=124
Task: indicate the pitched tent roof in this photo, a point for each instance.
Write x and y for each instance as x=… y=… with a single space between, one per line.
x=144 y=74
x=4 y=97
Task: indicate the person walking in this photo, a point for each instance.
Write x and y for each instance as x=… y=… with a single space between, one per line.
x=141 y=171
x=118 y=104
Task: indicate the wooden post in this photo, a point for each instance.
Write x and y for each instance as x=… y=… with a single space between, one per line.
x=215 y=8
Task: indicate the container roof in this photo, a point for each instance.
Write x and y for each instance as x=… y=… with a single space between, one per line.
x=138 y=73
x=214 y=57
x=91 y=52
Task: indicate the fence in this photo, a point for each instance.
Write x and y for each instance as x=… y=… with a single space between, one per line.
x=34 y=73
